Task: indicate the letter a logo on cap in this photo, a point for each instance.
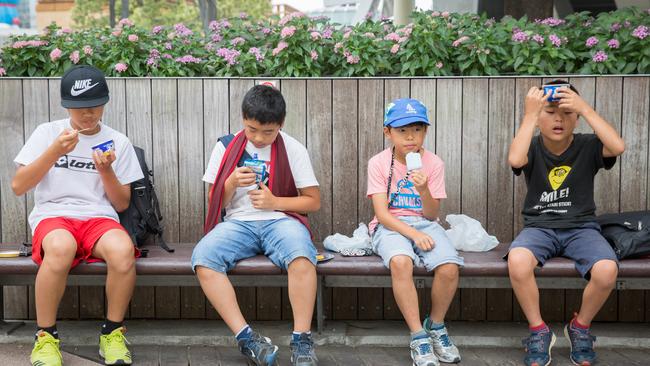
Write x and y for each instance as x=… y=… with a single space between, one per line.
x=410 y=109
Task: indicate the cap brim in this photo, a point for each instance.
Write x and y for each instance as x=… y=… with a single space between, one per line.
x=77 y=104
x=407 y=121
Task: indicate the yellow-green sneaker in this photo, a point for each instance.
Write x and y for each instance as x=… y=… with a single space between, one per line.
x=46 y=350
x=112 y=348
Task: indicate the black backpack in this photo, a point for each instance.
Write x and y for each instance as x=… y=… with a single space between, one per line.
x=142 y=220
x=627 y=232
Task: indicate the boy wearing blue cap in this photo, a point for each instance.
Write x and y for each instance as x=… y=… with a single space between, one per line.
x=406 y=193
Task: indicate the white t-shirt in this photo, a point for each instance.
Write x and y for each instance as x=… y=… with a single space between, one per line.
x=72 y=187
x=241 y=208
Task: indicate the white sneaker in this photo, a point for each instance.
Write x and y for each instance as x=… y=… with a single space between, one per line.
x=443 y=346
x=422 y=353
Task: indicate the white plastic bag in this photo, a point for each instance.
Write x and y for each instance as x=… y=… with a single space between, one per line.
x=468 y=235
x=358 y=244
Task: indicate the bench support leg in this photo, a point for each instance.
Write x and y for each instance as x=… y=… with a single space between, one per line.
x=320 y=317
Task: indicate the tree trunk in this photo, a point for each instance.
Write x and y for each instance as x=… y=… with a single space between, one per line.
x=208 y=10
x=125 y=9
x=534 y=9
x=111 y=13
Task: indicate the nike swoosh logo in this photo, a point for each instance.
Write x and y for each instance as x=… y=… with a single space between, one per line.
x=75 y=92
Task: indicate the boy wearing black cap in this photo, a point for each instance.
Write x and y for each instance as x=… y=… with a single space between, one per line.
x=406 y=183
x=81 y=170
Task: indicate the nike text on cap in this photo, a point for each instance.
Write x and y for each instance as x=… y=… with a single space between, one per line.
x=83 y=86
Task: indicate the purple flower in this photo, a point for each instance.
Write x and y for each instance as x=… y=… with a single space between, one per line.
x=627 y=24
x=237 y=41
x=392 y=37
x=182 y=30
x=539 y=39
x=520 y=37
x=157 y=29
x=615 y=27
x=289 y=17
x=217 y=37
x=88 y=51
x=555 y=40
x=490 y=22
x=394 y=49
x=591 y=41
x=351 y=59
x=125 y=23
x=640 y=32
x=120 y=67
x=152 y=62
x=460 y=40
x=74 y=57
x=188 y=59
x=551 y=22
x=287 y=31
x=281 y=46
x=55 y=54
x=167 y=56
x=229 y=55
x=314 y=55
x=613 y=43
x=600 y=56
x=243 y=15
x=154 y=53
x=3 y=72
x=133 y=38
x=224 y=23
x=258 y=54
x=214 y=26
x=266 y=30
x=168 y=45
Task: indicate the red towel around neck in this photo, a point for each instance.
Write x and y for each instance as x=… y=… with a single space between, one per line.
x=281 y=181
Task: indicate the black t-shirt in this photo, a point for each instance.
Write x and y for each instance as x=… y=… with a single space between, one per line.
x=561 y=188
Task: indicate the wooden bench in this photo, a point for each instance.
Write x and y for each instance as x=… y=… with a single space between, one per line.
x=481 y=270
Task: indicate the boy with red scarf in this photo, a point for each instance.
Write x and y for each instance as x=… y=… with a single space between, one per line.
x=262 y=185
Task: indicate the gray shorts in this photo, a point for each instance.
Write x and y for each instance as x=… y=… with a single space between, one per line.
x=387 y=243
x=584 y=245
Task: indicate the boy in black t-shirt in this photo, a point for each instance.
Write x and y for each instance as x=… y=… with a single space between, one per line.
x=559 y=167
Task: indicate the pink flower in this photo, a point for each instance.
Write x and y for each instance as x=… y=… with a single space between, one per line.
x=157 y=29
x=315 y=36
x=117 y=33
x=3 y=72
x=182 y=30
x=338 y=46
x=555 y=40
x=258 y=54
x=439 y=65
x=237 y=41
x=281 y=46
x=615 y=27
x=55 y=54
x=551 y=22
x=520 y=37
x=88 y=51
x=133 y=38
x=289 y=17
x=64 y=31
x=188 y=59
x=394 y=49
x=640 y=32
x=327 y=33
x=168 y=45
x=353 y=59
x=243 y=15
x=287 y=31
x=347 y=34
x=435 y=14
x=600 y=56
x=266 y=30
x=369 y=35
x=217 y=37
x=392 y=37
x=613 y=43
x=125 y=22
x=167 y=56
x=591 y=41
x=314 y=55
x=74 y=57
x=445 y=14
x=120 y=67
x=539 y=39
x=35 y=43
x=460 y=40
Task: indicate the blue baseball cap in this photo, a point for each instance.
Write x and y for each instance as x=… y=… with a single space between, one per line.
x=402 y=112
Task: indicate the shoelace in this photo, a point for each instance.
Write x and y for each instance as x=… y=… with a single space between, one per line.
x=116 y=339
x=423 y=347
x=47 y=342
x=534 y=343
x=444 y=339
x=257 y=343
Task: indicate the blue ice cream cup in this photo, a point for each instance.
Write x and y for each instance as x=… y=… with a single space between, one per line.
x=105 y=147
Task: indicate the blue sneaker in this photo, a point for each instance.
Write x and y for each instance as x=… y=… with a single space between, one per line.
x=582 y=345
x=538 y=348
x=258 y=349
x=302 y=351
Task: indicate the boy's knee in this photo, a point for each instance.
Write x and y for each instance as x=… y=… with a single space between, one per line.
x=401 y=264
x=521 y=263
x=301 y=266
x=447 y=272
x=604 y=273
x=59 y=249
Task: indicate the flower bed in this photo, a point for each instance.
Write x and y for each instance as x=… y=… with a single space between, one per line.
x=298 y=46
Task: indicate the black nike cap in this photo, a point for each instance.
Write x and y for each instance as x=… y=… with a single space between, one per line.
x=83 y=86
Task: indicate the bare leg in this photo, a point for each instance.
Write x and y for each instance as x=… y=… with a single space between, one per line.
x=221 y=294
x=601 y=284
x=406 y=296
x=302 y=292
x=444 y=287
x=521 y=266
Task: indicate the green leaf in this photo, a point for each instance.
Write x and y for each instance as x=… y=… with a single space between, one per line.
x=629 y=68
x=518 y=62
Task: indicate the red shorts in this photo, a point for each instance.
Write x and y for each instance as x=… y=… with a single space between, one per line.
x=85 y=232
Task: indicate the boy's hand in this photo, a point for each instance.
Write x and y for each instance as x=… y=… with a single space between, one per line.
x=66 y=141
x=242 y=177
x=263 y=198
x=103 y=162
x=535 y=100
x=571 y=101
x=423 y=241
x=419 y=181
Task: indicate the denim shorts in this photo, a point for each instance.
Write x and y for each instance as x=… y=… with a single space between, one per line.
x=281 y=240
x=584 y=245
x=387 y=243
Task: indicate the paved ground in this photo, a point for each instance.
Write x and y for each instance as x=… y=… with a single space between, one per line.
x=342 y=343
